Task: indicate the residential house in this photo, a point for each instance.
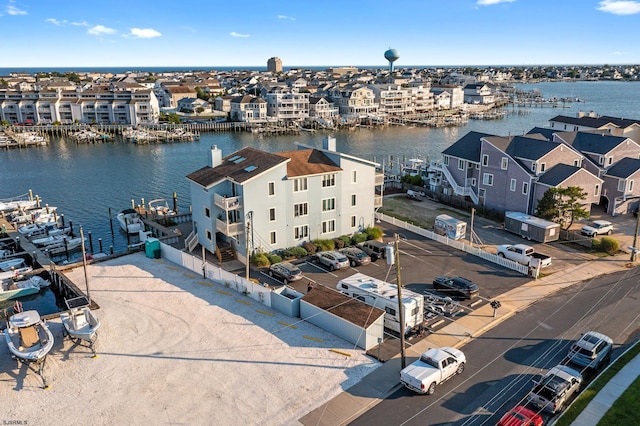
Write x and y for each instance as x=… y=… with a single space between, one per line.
x=287 y=104
x=191 y=104
x=392 y=100
x=621 y=187
x=565 y=176
x=478 y=93
x=456 y=92
x=249 y=109
x=591 y=121
x=322 y=107
x=259 y=201
x=354 y=101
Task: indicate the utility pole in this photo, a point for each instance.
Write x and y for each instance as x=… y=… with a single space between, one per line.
x=472 y=233
x=634 y=250
x=247 y=246
x=400 y=305
x=84 y=266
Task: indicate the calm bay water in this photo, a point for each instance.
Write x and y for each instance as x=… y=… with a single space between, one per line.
x=86 y=181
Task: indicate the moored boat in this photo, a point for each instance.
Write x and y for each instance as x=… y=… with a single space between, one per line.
x=160 y=207
x=67 y=245
x=15 y=289
x=130 y=221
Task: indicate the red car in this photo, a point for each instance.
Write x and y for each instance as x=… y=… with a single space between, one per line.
x=521 y=416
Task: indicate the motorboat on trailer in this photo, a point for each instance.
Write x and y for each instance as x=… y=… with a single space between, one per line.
x=29 y=339
x=10 y=289
x=130 y=221
x=80 y=324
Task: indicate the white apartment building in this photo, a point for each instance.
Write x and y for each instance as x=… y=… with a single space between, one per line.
x=287 y=104
x=322 y=107
x=354 y=102
x=456 y=92
x=83 y=106
x=259 y=201
x=392 y=100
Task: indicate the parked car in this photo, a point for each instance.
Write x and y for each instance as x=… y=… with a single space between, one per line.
x=375 y=249
x=356 y=256
x=332 y=259
x=555 y=389
x=592 y=350
x=521 y=416
x=597 y=227
x=285 y=271
x=456 y=286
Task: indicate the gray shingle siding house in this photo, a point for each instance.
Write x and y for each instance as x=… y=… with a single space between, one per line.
x=621 y=187
x=564 y=176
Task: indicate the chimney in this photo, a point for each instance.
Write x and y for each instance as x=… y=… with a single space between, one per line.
x=216 y=156
x=329 y=143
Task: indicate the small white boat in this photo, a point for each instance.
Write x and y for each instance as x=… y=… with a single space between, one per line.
x=68 y=244
x=29 y=339
x=130 y=221
x=80 y=324
x=16 y=289
x=15 y=273
x=9 y=206
x=160 y=207
x=9 y=264
x=42 y=215
x=46 y=228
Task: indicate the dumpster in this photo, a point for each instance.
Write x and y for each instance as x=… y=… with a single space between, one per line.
x=152 y=248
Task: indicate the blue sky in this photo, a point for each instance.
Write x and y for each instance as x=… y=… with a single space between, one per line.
x=210 y=33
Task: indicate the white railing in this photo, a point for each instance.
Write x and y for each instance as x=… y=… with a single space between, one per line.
x=229 y=229
x=459 y=190
x=191 y=241
x=459 y=245
x=226 y=203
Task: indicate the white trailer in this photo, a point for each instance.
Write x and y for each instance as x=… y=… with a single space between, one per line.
x=384 y=295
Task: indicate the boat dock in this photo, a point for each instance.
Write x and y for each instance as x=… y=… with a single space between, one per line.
x=20 y=139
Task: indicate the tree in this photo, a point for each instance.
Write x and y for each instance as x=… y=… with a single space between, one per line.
x=563 y=205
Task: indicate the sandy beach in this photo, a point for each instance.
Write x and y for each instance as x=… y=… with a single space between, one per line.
x=176 y=349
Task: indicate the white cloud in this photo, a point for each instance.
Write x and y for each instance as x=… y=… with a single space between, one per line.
x=81 y=24
x=12 y=10
x=619 y=7
x=286 y=17
x=100 y=30
x=492 y=2
x=144 y=33
x=54 y=21
x=235 y=34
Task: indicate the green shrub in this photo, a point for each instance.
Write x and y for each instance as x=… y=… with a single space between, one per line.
x=260 y=260
x=273 y=258
x=373 y=232
x=346 y=239
x=287 y=254
x=310 y=248
x=324 y=244
x=298 y=251
x=359 y=237
x=609 y=245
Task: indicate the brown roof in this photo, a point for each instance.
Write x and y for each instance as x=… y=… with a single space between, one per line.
x=345 y=307
x=239 y=167
x=308 y=162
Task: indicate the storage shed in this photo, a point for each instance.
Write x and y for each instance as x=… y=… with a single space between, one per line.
x=343 y=316
x=531 y=227
x=450 y=226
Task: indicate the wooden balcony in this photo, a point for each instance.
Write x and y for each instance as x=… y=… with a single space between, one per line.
x=229 y=229
x=226 y=203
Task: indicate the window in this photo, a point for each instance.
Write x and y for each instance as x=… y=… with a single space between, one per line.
x=543 y=167
x=621 y=185
x=446 y=160
x=208 y=235
x=300 y=184
x=487 y=179
x=485 y=160
x=353 y=199
x=597 y=190
x=482 y=192
x=354 y=176
x=328 y=226
x=525 y=187
x=301 y=232
x=512 y=186
x=473 y=181
x=328 y=204
x=301 y=209
x=533 y=166
x=504 y=163
x=272 y=237
x=609 y=160
x=460 y=164
x=207 y=212
x=272 y=214
x=272 y=188
x=630 y=185
x=328 y=180
x=576 y=163
x=353 y=221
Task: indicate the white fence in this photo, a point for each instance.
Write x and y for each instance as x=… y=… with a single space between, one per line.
x=218 y=275
x=476 y=251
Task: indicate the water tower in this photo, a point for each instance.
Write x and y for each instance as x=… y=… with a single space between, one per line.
x=391 y=55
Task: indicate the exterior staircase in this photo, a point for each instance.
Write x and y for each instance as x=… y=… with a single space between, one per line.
x=227 y=253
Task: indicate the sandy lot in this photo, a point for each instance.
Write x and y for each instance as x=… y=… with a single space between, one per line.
x=174 y=349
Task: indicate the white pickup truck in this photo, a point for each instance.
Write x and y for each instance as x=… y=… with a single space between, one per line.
x=435 y=366
x=523 y=254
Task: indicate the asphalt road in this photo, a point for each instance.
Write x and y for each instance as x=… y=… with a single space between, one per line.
x=502 y=362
